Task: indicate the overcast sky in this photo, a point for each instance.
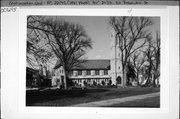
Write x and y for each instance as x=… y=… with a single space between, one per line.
x=97 y=28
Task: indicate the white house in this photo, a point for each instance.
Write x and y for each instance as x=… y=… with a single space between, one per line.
x=90 y=72
x=58 y=78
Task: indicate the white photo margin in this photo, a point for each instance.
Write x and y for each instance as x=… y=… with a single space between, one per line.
x=169 y=90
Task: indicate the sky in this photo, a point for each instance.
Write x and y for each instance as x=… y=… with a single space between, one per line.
x=98 y=29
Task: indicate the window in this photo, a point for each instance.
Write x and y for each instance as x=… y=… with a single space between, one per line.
x=93 y=72
x=105 y=72
x=71 y=73
x=75 y=73
x=79 y=72
x=88 y=72
x=97 y=72
x=101 y=72
x=62 y=79
x=84 y=72
x=118 y=80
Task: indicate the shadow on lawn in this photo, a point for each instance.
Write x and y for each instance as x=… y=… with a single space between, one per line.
x=34 y=96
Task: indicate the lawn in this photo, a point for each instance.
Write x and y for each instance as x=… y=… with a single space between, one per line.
x=152 y=102
x=71 y=97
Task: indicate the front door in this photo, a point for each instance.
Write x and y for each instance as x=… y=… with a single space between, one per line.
x=119 y=80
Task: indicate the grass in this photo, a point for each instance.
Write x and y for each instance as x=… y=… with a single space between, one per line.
x=152 y=102
x=71 y=97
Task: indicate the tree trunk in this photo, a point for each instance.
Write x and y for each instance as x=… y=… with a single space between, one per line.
x=65 y=79
x=153 y=80
x=137 y=78
x=149 y=75
x=124 y=76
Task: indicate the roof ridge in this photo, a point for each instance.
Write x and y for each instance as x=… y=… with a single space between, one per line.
x=97 y=59
x=92 y=64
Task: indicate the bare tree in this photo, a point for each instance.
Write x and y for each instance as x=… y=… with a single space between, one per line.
x=132 y=34
x=157 y=48
x=137 y=62
x=37 y=51
x=153 y=58
x=131 y=73
x=68 y=41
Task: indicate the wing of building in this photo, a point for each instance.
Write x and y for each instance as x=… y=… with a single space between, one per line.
x=90 y=72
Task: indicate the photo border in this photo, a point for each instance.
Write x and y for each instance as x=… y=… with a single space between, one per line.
x=162 y=12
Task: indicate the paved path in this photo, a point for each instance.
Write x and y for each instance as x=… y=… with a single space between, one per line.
x=116 y=101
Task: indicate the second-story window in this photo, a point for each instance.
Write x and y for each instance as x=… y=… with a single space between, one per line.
x=71 y=73
x=75 y=73
x=88 y=72
x=97 y=72
x=84 y=73
x=105 y=72
x=79 y=72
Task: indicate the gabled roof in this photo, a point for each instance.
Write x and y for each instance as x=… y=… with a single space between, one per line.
x=90 y=65
x=58 y=64
x=31 y=70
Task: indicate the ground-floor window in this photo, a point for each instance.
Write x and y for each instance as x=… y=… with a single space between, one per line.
x=93 y=81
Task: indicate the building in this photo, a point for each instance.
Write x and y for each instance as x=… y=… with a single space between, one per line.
x=58 y=78
x=37 y=77
x=95 y=71
x=90 y=72
x=116 y=64
x=31 y=77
